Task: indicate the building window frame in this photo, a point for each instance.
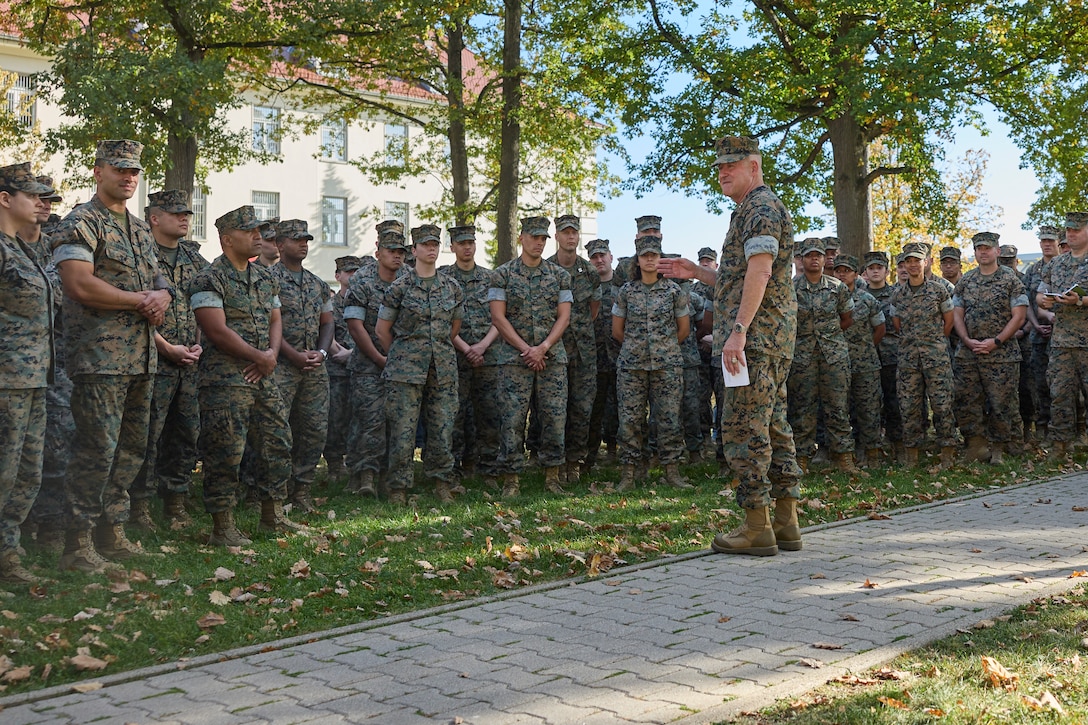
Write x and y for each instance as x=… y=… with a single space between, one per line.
x=267 y=123
x=22 y=97
x=266 y=204
x=398 y=210
x=198 y=223
x=334 y=221
x=334 y=140
x=396 y=143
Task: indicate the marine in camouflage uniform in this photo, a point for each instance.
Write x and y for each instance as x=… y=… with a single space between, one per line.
x=579 y=341
x=26 y=363
x=862 y=338
x=368 y=442
x=1041 y=322
x=1069 y=341
x=820 y=374
x=922 y=312
x=306 y=316
x=112 y=357
x=604 y=420
x=990 y=306
x=710 y=369
x=1007 y=258
x=650 y=317
x=418 y=319
x=340 y=413
x=530 y=301
x=174 y=427
x=236 y=303
x=876 y=273
x=692 y=403
x=476 y=428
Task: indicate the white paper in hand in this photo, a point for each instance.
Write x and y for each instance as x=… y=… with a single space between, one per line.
x=735 y=381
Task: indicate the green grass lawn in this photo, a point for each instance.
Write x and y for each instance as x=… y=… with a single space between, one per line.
x=367 y=560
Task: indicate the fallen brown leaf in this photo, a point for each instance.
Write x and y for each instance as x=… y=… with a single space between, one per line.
x=933 y=711
x=1076 y=574
x=218 y=598
x=826 y=645
x=892 y=702
x=984 y=624
x=87 y=687
x=869 y=585
x=849 y=618
x=1080 y=508
x=18 y=674
x=874 y=516
x=86 y=662
x=223 y=574
x=999 y=676
x=211 y=619
x=723 y=619
x=814 y=664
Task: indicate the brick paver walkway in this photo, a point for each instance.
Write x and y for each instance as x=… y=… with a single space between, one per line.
x=692 y=639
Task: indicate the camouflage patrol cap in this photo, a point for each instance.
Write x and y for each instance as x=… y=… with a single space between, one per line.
x=985 y=239
x=268 y=228
x=390 y=225
x=1007 y=251
x=597 y=246
x=708 y=253
x=391 y=239
x=847 y=260
x=900 y=258
x=830 y=243
x=647 y=243
x=243 y=219
x=951 y=253
x=568 y=221
x=293 y=229
x=19 y=177
x=926 y=247
x=119 y=153
x=876 y=256
x=350 y=263
x=462 y=234
x=812 y=244
x=917 y=250
x=172 y=201
x=427 y=233
x=798 y=245
x=1062 y=240
x=735 y=148
x=52 y=194
x=1076 y=219
x=536 y=226
x=1045 y=232
x=649 y=221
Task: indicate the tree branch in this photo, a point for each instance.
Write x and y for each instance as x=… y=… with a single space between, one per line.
x=886 y=171
x=809 y=162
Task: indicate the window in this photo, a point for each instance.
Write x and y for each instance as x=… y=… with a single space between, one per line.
x=334 y=144
x=396 y=144
x=266 y=129
x=397 y=210
x=334 y=220
x=21 y=97
x=266 y=204
x=198 y=224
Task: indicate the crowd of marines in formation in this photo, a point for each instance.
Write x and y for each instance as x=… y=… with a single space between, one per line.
x=128 y=357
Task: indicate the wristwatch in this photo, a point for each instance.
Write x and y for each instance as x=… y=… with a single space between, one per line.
x=740 y=329
x=324 y=354
x=997 y=341
x=1080 y=301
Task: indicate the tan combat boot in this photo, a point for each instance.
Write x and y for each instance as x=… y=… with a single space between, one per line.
x=754 y=537
x=274 y=519
x=80 y=555
x=225 y=532
x=910 y=457
x=948 y=457
x=442 y=492
x=511 y=485
x=335 y=469
x=977 y=449
x=398 y=497
x=111 y=542
x=1059 y=452
x=173 y=508
x=844 y=463
x=551 y=481
x=12 y=570
x=302 y=501
x=787 y=532
x=627 y=477
x=673 y=477
x=51 y=539
x=996 y=455
x=140 y=514
x=804 y=462
x=574 y=473
x=599 y=487
x=873 y=457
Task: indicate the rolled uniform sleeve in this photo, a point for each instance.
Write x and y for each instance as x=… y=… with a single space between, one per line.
x=761 y=244
x=205 y=298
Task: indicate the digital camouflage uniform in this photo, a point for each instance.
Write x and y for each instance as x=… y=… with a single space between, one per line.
x=26 y=369
x=604 y=420
x=820 y=374
x=174 y=428
x=232 y=409
x=532 y=296
x=649 y=368
x=888 y=349
x=1025 y=384
x=1068 y=346
x=692 y=402
x=476 y=428
x=1040 y=345
x=303 y=299
x=580 y=343
x=987 y=302
x=924 y=370
x=757 y=438
x=421 y=373
x=112 y=361
x=340 y=412
x=865 y=398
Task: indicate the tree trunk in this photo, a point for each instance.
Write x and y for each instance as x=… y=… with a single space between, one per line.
x=853 y=204
x=181 y=172
x=458 y=148
x=510 y=142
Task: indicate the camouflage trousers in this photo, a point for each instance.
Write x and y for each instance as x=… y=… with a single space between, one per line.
x=992 y=386
x=582 y=381
x=654 y=391
x=231 y=415
x=172 y=434
x=111 y=413
x=519 y=385
x=820 y=384
x=865 y=403
x=757 y=438
x=22 y=439
x=306 y=396
x=51 y=506
x=476 y=428
x=691 y=409
x=340 y=414
x=1040 y=363
x=436 y=400
x=890 y=413
x=917 y=382
x=367 y=442
x=1068 y=381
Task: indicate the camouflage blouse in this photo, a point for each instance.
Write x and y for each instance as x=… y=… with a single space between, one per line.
x=987 y=301
x=649 y=333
